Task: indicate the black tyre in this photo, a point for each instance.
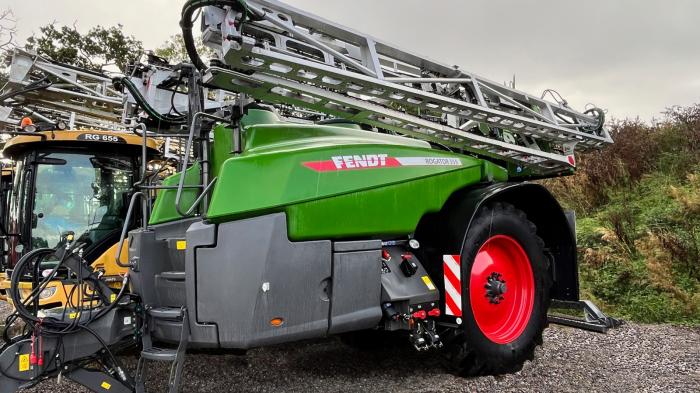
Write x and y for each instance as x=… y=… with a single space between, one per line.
x=505 y=284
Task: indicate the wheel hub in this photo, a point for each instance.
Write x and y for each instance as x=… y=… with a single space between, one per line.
x=501 y=311
x=495 y=288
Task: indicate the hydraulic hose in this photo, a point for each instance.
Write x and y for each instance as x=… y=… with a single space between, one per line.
x=40 y=84
x=143 y=103
x=186 y=23
x=28 y=316
x=599 y=114
x=52 y=327
x=16 y=275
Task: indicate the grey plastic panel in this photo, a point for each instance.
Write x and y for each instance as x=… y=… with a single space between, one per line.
x=152 y=254
x=397 y=287
x=359 y=245
x=201 y=335
x=356 y=294
x=149 y=255
x=175 y=229
x=230 y=277
x=170 y=293
x=156 y=250
x=176 y=257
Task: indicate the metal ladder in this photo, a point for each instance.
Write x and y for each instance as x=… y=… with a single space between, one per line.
x=277 y=53
x=175 y=356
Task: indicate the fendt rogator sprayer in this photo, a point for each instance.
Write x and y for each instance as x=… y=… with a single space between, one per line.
x=406 y=210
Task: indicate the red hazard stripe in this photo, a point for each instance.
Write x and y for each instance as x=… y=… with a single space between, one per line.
x=449 y=302
x=453 y=279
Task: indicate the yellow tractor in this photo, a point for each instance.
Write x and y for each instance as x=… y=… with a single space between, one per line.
x=70 y=183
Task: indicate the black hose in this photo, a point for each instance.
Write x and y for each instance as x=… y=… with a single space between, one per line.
x=20 y=306
x=186 y=23
x=40 y=84
x=172 y=97
x=141 y=101
x=50 y=326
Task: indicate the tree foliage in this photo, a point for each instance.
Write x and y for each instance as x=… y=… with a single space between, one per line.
x=99 y=47
x=638 y=219
x=8 y=28
x=174 y=49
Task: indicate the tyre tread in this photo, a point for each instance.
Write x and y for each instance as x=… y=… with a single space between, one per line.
x=468 y=362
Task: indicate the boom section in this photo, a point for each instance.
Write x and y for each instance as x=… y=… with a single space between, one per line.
x=278 y=53
x=46 y=86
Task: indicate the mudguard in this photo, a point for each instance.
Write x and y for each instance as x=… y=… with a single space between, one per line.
x=447 y=230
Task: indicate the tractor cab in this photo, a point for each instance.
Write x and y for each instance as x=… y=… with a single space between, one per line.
x=70 y=183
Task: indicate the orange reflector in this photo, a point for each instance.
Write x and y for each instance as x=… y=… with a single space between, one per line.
x=276 y=321
x=26 y=122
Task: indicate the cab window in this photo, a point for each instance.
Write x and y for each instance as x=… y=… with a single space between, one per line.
x=82 y=194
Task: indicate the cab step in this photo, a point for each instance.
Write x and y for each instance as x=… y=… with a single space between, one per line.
x=176 y=356
x=160 y=354
x=173 y=276
x=167 y=313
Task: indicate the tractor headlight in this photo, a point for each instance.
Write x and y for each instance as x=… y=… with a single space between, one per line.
x=47 y=293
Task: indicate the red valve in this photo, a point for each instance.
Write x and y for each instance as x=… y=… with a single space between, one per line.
x=420 y=314
x=32 y=356
x=40 y=363
x=434 y=312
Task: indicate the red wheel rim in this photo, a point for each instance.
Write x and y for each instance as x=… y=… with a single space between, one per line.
x=501 y=289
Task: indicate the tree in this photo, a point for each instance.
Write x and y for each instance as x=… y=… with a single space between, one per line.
x=174 y=49
x=8 y=28
x=99 y=47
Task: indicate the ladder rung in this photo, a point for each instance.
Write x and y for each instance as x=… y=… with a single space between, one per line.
x=173 y=276
x=160 y=354
x=169 y=313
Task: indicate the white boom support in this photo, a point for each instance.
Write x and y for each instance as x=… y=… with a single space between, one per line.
x=89 y=95
x=83 y=99
x=277 y=53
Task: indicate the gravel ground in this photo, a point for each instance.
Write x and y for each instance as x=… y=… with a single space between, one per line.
x=634 y=358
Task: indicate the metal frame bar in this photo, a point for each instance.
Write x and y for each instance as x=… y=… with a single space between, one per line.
x=415 y=84
x=335 y=104
x=78 y=91
x=185 y=161
x=383 y=48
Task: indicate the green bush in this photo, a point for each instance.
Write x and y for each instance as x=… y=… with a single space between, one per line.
x=638 y=206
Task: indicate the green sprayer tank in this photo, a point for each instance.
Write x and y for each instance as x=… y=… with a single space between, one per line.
x=333 y=181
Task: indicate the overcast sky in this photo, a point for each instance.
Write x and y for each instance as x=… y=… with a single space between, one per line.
x=632 y=57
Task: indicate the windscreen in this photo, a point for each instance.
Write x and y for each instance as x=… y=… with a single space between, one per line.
x=79 y=193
